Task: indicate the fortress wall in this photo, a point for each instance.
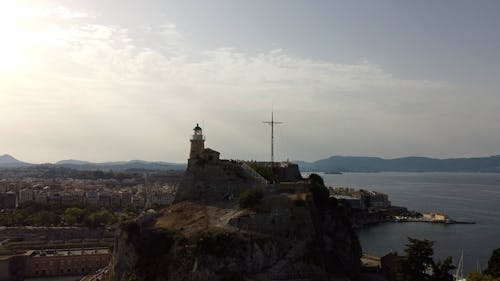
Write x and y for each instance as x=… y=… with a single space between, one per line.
x=217 y=180
x=289 y=173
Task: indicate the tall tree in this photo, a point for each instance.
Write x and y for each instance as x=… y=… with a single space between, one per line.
x=418 y=260
x=418 y=264
x=494 y=264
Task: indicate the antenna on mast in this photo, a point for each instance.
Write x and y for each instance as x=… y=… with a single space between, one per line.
x=272 y=123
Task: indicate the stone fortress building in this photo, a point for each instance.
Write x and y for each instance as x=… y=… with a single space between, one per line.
x=209 y=178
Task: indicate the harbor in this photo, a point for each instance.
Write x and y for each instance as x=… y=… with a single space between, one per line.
x=447 y=220
x=372 y=207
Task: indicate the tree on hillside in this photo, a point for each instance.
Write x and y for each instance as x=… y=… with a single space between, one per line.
x=441 y=270
x=494 y=264
x=73 y=215
x=100 y=218
x=43 y=218
x=250 y=198
x=418 y=264
x=418 y=260
x=316 y=180
x=476 y=276
x=320 y=193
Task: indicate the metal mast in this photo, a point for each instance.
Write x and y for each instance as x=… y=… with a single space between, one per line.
x=272 y=123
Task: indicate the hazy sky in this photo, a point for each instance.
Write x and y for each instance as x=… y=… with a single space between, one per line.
x=117 y=80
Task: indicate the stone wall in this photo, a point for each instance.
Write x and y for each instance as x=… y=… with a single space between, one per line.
x=214 y=181
x=288 y=173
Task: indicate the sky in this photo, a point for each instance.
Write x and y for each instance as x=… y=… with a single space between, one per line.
x=101 y=80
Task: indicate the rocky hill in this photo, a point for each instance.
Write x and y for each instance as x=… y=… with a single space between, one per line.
x=294 y=233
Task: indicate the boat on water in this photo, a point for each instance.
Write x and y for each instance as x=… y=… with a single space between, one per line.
x=459 y=274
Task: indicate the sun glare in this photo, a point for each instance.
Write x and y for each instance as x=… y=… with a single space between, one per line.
x=13 y=36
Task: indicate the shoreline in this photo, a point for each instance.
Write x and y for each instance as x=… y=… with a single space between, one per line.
x=446 y=222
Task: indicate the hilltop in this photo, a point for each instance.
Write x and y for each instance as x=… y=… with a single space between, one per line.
x=286 y=236
x=7 y=161
x=229 y=223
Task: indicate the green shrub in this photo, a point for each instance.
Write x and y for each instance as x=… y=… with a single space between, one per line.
x=299 y=202
x=316 y=179
x=265 y=172
x=100 y=218
x=217 y=244
x=250 y=197
x=321 y=195
x=134 y=277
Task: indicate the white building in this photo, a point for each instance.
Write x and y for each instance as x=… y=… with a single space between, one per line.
x=26 y=195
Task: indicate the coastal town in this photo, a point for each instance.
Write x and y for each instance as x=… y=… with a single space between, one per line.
x=108 y=193
x=372 y=207
x=70 y=248
x=59 y=226
x=74 y=249
x=59 y=222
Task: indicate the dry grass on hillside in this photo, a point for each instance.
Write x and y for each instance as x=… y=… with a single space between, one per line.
x=193 y=217
x=279 y=201
x=188 y=217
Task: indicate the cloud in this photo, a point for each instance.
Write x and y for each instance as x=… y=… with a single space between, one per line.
x=65 y=13
x=142 y=91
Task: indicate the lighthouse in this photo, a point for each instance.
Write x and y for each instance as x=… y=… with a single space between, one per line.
x=197 y=143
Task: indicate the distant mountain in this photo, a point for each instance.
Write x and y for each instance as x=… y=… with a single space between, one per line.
x=72 y=162
x=7 y=161
x=405 y=164
x=137 y=165
x=330 y=164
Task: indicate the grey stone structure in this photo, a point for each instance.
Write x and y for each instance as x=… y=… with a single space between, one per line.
x=209 y=178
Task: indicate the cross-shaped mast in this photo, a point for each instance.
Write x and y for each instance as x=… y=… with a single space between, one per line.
x=272 y=123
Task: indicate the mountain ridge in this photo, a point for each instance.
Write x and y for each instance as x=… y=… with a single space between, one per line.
x=8 y=161
x=403 y=164
x=334 y=163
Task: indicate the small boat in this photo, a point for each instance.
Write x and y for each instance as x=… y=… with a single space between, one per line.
x=459 y=274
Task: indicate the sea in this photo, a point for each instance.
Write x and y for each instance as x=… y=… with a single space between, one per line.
x=462 y=196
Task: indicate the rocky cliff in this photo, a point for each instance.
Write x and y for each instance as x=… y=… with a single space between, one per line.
x=287 y=236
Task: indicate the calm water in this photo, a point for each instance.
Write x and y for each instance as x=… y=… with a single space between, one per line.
x=463 y=196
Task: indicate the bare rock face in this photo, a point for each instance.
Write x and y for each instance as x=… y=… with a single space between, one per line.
x=286 y=237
